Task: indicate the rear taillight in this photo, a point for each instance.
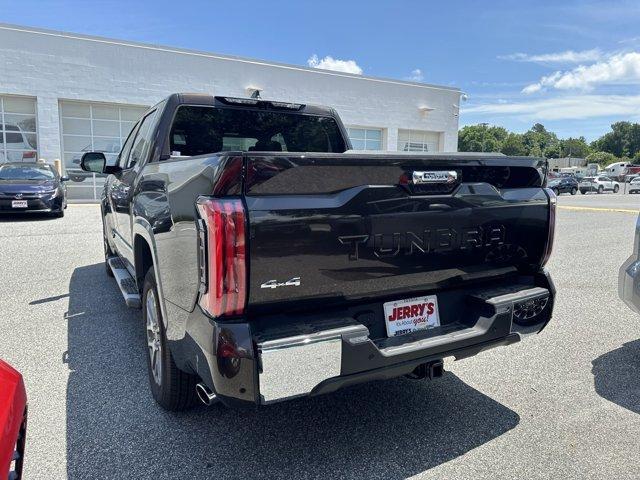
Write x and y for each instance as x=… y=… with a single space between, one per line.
x=553 y=200
x=223 y=274
x=28 y=155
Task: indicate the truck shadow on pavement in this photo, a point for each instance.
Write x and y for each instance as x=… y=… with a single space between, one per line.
x=616 y=376
x=391 y=429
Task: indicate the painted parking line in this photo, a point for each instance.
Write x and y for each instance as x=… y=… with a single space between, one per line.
x=599 y=209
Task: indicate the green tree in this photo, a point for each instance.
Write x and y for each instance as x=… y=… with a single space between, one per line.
x=623 y=140
x=514 y=145
x=617 y=141
x=536 y=151
x=554 y=151
x=481 y=138
x=569 y=147
x=633 y=140
x=538 y=136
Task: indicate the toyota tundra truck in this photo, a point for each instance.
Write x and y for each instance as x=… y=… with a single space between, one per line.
x=270 y=261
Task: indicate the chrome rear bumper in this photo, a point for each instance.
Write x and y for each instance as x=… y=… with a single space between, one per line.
x=293 y=366
x=314 y=363
x=629 y=283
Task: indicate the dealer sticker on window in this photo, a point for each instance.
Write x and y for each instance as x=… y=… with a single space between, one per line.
x=410 y=315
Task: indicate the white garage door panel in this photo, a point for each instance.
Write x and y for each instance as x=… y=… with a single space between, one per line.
x=418 y=141
x=18 y=137
x=87 y=127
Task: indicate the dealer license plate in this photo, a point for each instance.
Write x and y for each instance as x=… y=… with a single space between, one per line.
x=410 y=315
x=18 y=204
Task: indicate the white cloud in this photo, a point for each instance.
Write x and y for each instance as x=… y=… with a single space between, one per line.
x=620 y=68
x=630 y=40
x=533 y=88
x=416 y=76
x=568 y=56
x=572 y=107
x=330 y=63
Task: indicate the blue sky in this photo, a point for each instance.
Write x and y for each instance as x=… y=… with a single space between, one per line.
x=573 y=66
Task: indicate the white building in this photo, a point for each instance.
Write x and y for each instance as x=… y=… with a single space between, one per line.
x=63 y=93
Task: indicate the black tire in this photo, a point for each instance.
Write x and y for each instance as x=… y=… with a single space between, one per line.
x=556 y=191
x=177 y=389
x=616 y=188
x=59 y=214
x=583 y=192
x=600 y=189
x=574 y=190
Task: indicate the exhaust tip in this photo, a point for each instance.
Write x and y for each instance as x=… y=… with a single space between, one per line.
x=205 y=395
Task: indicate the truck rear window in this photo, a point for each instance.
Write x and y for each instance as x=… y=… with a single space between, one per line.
x=198 y=130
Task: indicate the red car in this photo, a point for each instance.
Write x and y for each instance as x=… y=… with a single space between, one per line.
x=13 y=422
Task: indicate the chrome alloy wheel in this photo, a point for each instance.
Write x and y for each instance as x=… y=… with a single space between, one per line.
x=153 y=337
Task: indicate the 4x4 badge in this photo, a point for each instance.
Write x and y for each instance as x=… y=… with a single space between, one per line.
x=294 y=282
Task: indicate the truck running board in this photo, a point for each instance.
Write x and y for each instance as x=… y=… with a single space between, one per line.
x=125 y=282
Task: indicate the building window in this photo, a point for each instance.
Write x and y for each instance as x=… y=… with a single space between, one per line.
x=18 y=137
x=94 y=127
x=365 y=138
x=418 y=141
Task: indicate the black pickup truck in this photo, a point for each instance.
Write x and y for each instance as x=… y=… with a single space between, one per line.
x=270 y=262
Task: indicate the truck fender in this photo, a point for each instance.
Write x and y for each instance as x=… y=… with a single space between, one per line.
x=142 y=228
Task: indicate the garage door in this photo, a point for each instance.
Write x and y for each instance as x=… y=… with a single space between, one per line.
x=18 y=138
x=92 y=127
x=418 y=141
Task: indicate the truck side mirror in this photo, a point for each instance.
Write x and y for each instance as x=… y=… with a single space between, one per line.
x=93 y=162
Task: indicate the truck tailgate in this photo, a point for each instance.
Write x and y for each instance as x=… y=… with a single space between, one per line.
x=349 y=227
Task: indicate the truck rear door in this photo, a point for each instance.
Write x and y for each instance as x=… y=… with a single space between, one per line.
x=327 y=229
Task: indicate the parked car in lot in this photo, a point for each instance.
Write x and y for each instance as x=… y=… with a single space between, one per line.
x=271 y=263
x=13 y=422
x=32 y=187
x=598 y=184
x=634 y=185
x=566 y=184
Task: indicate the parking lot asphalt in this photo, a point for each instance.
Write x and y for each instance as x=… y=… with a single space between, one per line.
x=565 y=404
x=604 y=200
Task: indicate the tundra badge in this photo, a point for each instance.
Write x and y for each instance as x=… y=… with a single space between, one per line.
x=437 y=176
